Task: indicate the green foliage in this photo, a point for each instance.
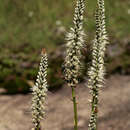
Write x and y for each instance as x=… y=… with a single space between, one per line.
x=16 y=85
x=26 y=26
x=34 y=21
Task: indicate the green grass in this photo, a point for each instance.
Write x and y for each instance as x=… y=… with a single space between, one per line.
x=26 y=26
x=34 y=22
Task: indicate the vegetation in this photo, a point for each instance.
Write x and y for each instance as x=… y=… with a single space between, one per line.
x=40 y=92
x=27 y=26
x=73 y=64
x=97 y=68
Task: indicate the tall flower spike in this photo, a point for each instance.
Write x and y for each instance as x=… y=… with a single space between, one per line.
x=40 y=92
x=75 y=42
x=96 y=71
x=72 y=64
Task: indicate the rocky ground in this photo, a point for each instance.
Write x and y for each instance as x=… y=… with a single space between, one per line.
x=114 y=111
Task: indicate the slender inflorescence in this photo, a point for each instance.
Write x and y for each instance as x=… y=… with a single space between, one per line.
x=75 y=41
x=72 y=64
x=40 y=92
x=96 y=71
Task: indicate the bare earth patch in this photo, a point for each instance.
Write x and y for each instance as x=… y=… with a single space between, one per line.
x=114 y=111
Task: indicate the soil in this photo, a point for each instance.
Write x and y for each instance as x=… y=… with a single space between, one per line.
x=114 y=108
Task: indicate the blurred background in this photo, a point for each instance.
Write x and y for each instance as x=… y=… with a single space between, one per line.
x=27 y=26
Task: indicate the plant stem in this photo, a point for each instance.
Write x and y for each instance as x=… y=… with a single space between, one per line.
x=38 y=127
x=75 y=109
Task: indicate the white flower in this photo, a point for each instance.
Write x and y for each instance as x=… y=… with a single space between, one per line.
x=97 y=69
x=39 y=92
x=75 y=42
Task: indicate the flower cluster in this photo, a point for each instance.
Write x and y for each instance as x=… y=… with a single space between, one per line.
x=96 y=71
x=75 y=42
x=40 y=92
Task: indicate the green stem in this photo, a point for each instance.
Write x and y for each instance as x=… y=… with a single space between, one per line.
x=38 y=127
x=75 y=109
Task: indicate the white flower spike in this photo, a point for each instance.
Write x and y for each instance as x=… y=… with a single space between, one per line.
x=75 y=42
x=97 y=69
x=40 y=92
